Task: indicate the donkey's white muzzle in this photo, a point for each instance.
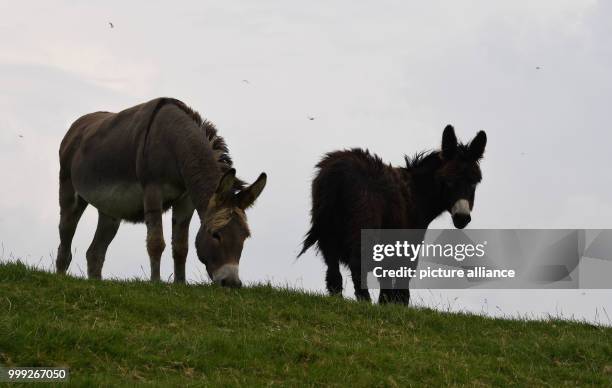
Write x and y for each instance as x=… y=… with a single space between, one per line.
x=227 y=276
x=461 y=213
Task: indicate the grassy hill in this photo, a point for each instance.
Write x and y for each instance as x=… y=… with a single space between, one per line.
x=121 y=333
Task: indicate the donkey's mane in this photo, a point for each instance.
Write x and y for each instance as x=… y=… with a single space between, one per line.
x=430 y=159
x=217 y=142
x=422 y=159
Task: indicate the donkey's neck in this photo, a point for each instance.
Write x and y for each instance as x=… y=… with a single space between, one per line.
x=427 y=198
x=200 y=170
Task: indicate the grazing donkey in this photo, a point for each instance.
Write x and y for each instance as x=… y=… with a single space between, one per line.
x=136 y=164
x=355 y=190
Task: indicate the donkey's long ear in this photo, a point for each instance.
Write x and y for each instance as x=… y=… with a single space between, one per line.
x=247 y=197
x=449 y=142
x=226 y=183
x=477 y=146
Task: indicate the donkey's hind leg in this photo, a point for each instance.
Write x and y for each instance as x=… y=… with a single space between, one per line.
x=155 y=230
x=105 y=233
x=333 y=277
x=71 y=210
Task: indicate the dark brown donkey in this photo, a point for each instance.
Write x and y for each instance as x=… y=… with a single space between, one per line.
x=136 y=164
x=355 y=190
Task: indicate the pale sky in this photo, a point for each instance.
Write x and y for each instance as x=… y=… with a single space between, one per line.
x=385 y=75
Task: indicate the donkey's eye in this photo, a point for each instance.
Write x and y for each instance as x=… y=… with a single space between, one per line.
x=216 y=236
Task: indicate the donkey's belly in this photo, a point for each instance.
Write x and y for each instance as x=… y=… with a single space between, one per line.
x=118 y=200
x=125 y=200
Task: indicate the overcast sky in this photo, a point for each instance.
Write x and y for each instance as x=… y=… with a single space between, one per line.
x=386 y=75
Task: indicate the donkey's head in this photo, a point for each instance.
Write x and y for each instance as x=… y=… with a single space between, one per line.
x=221 y=236
x=459 y=174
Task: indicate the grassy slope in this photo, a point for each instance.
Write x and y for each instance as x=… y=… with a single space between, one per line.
x=125 y=332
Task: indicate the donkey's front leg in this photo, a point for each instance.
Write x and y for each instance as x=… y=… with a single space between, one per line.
x=181 y=218
x=155 y=231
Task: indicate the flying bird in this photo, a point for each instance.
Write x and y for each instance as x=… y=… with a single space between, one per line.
x=310 y=118
x=111 y=25
x=21 y=136
x=537 y=67
x=246 y=81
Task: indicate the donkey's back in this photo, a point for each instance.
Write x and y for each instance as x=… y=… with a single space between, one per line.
x=73 y=137
x=107 y=142
x=353 y=189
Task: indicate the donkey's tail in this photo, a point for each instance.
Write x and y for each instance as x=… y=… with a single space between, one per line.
x=310 y=240
x=327 y=208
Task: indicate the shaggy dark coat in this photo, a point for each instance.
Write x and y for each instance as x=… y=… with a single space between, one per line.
x=355 y=190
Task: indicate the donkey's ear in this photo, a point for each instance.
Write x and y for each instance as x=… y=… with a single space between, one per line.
x=477 y=146
x=226 y=183
x=247 y=197
x=449 y=142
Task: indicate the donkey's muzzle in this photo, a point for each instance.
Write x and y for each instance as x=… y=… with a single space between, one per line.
x=460 y=220
x=227 y=276
x=231 y=283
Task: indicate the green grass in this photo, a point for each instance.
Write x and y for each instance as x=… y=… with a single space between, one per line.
x=122 y=333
